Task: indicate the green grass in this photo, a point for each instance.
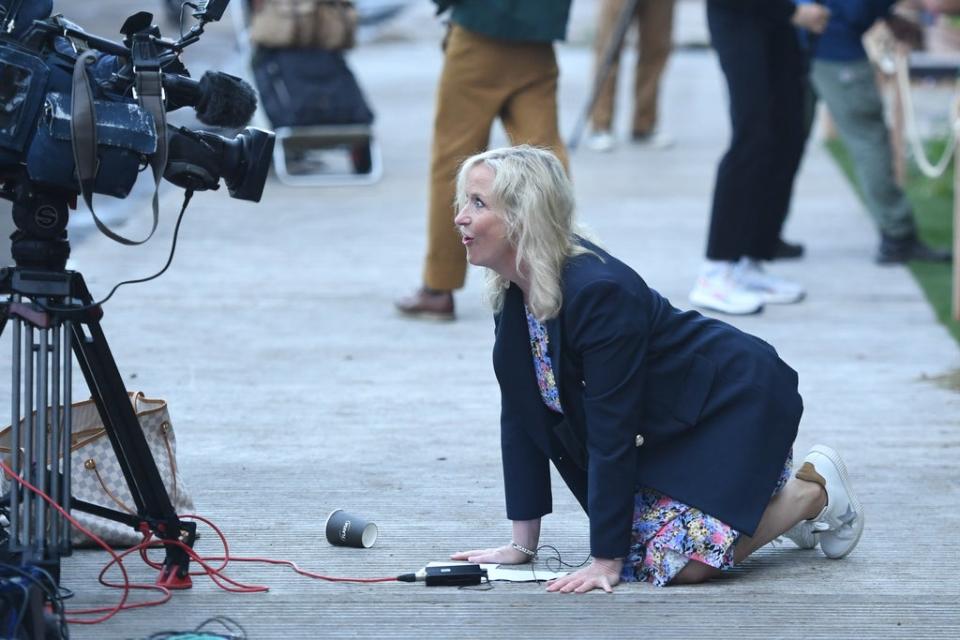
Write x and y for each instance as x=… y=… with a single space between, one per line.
x=932 y=201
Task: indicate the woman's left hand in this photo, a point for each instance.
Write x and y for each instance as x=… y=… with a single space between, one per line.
x=601 y=573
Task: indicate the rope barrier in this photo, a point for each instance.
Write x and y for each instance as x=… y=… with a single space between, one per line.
x=929 y=168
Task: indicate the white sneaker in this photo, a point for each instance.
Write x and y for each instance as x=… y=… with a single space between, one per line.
x=750 y=275
x=716 y=289
x=601 y=141
x=802 y=535
x=840 y=524
x=656 y=140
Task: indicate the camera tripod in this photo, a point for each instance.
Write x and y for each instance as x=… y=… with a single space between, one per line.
x=53 y=319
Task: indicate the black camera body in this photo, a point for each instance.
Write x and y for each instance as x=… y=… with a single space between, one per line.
x=38 y=61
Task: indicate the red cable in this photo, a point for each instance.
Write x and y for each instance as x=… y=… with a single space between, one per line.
x=304 y=572
x=167 y=594
x=226 y=558
x=126 y=579
x=215 y=574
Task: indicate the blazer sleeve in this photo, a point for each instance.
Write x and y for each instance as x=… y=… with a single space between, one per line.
x=526 y=468
x=608 y=330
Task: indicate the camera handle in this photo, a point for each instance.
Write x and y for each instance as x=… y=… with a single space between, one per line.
x=42 y=342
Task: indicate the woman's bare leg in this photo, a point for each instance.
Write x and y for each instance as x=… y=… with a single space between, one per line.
x=798 y=500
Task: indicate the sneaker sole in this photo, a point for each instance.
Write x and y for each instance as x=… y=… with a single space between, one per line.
x=781 y=299
x=709 y=303
x=834 y=457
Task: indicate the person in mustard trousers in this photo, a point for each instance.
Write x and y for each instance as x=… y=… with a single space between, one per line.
x=499 y=62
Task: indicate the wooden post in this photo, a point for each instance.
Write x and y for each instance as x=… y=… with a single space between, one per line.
x=956 y=218
x=897 y=134
x=955 y=117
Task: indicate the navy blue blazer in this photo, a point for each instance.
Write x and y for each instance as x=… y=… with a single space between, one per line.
x=651 y=397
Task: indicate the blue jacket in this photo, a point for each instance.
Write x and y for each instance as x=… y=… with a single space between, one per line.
x=842 y=40
x=652 y=397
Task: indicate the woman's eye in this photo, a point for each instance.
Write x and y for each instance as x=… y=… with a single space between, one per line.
x=478 y=203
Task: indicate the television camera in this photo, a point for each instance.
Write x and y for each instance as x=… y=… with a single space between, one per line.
x=81 y=114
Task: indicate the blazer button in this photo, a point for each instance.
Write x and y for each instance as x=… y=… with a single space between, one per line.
x=583 y=383
x=639 y=440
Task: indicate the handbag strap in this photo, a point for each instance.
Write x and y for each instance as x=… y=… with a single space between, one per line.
x=80 y=439
x=91 y=465
x=165 y=427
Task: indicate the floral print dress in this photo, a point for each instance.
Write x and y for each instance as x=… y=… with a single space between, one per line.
x=666 y=533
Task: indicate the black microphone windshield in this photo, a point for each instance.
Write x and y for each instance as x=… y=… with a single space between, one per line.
x=226 y=101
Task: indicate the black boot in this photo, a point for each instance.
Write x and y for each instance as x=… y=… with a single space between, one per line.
x=910 y=247
x=787 y=250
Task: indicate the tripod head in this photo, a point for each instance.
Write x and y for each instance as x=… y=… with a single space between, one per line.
x=40 y=240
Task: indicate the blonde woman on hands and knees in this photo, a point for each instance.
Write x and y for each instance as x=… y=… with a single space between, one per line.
x=673 y=430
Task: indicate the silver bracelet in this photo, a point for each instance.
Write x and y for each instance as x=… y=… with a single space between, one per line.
x=522 y=549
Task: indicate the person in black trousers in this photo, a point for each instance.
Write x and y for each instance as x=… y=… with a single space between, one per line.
x=765 y=70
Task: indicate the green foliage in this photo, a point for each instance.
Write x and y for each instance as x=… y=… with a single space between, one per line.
x=932 y=201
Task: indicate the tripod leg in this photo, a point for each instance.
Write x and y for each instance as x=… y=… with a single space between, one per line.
x=79 y=322
x=134 y=455
x=15 y=458
x=120 y=420
x=36 y=443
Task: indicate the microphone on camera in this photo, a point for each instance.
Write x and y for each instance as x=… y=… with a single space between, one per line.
x=220 y=99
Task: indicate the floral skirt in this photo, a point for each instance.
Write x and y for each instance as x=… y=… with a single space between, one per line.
x=667 y=534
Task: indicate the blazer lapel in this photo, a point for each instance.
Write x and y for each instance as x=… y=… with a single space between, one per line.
x=554 y=339
x=513 y=339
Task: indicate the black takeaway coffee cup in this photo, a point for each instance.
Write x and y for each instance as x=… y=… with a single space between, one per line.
x=347 y=530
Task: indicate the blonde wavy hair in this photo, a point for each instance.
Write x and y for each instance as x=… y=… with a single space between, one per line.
x=531 y=186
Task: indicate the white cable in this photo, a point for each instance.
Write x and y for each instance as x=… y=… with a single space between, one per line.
x=929 y=169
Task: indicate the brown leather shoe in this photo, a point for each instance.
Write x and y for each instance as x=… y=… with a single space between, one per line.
x=427 y=304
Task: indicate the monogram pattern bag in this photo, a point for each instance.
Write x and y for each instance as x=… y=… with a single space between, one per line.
x=95 y=473
x=304 y=24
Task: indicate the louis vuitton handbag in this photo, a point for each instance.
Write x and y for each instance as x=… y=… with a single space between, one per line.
x=304 y=24
x=95 y=473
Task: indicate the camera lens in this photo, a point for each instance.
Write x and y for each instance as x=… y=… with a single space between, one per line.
x=246 y=162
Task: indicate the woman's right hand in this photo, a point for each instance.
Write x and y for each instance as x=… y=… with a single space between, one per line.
x=497 y=555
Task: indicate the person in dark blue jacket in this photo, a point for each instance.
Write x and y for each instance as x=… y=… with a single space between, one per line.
x=843 y=77
x=674 y=431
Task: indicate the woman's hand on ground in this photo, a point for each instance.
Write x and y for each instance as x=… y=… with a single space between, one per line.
x=601 y=573
x=497 y=555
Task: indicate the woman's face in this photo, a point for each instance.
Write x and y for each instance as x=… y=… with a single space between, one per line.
x=481 y=224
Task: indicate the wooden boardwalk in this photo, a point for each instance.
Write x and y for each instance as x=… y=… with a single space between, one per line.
x=295 y=390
